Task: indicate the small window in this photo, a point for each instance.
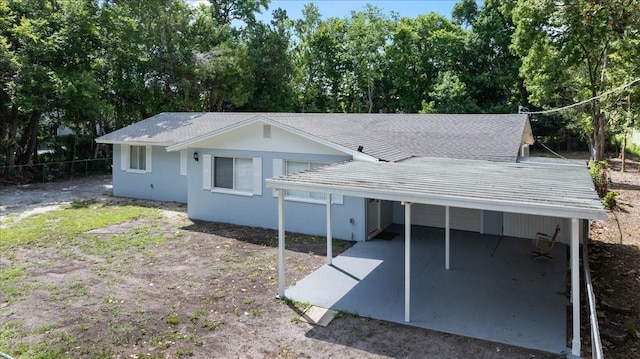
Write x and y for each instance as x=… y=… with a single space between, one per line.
x=233 y=173
x=138 y=158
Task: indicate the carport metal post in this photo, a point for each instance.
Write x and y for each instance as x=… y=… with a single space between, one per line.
x=407 y=261
x=575 y=286
x=281 y=266
x=447 y=237
x=329 y=235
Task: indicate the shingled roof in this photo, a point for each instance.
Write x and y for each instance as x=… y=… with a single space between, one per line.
x=388 y=137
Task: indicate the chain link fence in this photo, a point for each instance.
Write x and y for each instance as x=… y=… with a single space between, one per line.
x=53 y=171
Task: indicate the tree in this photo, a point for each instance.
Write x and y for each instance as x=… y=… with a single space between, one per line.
x=224 y=77
x=225 y=11
x=419 y=51
x=51 y=48
x=449 y=96
x=318 y=58
x=366 y=36
x=273 y=70
x=567 y=48
x=490 y=70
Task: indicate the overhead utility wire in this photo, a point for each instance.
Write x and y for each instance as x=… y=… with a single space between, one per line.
x=582 y=102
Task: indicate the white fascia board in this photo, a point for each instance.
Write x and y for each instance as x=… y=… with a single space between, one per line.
x=259 y=118
x=441 y=200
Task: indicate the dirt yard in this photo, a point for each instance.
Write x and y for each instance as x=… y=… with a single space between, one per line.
x=615 y=264
x=207 y=290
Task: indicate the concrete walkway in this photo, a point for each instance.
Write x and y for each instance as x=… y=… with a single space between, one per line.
x=494 y=290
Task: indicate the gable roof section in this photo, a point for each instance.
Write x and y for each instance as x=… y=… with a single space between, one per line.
x=261 y=119
x=562 y=190
x=388 y=137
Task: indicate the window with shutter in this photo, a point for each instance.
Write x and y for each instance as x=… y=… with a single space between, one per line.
x=237 y=175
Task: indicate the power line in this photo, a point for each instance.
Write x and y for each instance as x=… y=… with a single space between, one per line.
x=582 y=102
x=552 y=151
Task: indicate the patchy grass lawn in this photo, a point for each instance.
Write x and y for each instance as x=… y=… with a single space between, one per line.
x=140 y=280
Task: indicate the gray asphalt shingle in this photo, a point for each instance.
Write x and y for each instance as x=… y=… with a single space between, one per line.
x=389 y=137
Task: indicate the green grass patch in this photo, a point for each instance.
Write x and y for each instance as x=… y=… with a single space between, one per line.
x=62 y=225
x=106 y=246
x=10 y=282
x=173 y=320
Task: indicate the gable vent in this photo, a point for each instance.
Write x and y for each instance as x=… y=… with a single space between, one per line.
x=266 y=131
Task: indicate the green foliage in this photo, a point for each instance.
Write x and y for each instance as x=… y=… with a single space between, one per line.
x=173 y=320
x=598 y=171
x=450 y=96
x=576 y=50
x=609 y=200
x=118 y=62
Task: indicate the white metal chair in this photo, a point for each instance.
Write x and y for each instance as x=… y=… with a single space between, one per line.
x=544 y=244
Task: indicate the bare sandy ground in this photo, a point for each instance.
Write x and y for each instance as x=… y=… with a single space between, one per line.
x=41 y=197
x=206 y=291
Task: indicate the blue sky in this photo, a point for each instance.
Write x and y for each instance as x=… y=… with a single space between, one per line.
x=343 y=8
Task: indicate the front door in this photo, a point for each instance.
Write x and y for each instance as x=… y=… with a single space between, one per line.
x=373 y=217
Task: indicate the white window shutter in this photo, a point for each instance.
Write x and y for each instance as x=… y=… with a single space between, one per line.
x=278 y=170
x=257 y=176
x=183 y=162
x=148 y=158
x=337 y=199
x=124 y=157
x=207 y=174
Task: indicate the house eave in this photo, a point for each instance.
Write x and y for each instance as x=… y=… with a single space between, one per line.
x=133 y=143
x=546 y=190
x=531 y=208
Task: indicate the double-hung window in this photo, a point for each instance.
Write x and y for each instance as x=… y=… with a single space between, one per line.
x=135 y=158
x=138 y=158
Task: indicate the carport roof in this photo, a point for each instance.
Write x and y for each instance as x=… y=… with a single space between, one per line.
x=539 y=188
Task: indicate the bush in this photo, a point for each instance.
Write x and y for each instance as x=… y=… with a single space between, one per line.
x=598 y=171
x=609 y=200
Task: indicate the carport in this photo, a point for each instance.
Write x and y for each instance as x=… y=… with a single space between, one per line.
x=548 y=189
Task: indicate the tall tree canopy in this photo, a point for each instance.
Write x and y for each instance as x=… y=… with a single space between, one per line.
x=97 y=65
x=571 y=50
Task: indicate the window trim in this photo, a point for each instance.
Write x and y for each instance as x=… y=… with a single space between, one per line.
x=125 y=159
x=208 y=176
x=228 y=190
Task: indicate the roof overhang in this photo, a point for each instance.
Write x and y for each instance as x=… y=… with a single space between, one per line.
x=134 y=143
x=553 y=190
x=356 y=155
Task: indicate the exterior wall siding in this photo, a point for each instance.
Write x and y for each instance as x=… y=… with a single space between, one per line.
x=433 y=216
x=163 y=183
x=527 y=226
x=348 y=218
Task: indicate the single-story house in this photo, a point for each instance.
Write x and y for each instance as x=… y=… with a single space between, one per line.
x=349 y=176
x=217 y=163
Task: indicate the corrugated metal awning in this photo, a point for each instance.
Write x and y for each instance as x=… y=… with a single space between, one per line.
x=529 y=188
